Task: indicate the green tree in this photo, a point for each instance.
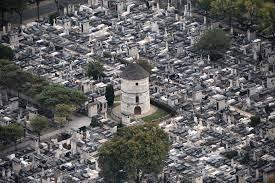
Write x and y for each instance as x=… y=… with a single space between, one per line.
x=5 y=52
x=145 y=65
x=18 y=6
x=224 y=8
x=249 y=11
x=4 y=7
x=267 y=15
x=95 y=122
x=133 y=152
x=38 y=8
x=52 y=17
x=39 y=124
x=214 y=43
x=11 y=133
x=95 y=69
x=205 y=5
x=64 y=110
x=110 y=95
x=63 y=113
x=254 y=121
x=56 y=94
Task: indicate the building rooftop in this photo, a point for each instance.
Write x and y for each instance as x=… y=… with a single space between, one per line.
x=134 y=71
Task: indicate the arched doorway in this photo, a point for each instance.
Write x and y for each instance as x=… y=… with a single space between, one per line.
x=137 y=110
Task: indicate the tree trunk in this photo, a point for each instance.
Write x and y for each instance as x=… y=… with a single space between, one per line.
x=21 y=18
x=57 y=6
x=38 y=9
x=2 y=17
x=39 y=136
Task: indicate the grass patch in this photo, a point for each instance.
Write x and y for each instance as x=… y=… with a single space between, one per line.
x=117 y=98
x=157 y=115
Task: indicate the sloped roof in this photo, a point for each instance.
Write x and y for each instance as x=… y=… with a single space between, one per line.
x=134 y=71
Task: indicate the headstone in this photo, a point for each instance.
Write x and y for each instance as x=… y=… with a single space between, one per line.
x=204 y=20
x=4 y=30
x=65 y=11
x=248 y=35
x=9 y=27
x=90 y=2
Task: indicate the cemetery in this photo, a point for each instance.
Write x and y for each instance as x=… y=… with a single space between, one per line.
x=212 y=101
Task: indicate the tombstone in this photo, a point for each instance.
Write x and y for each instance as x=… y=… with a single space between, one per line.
x=54 y=22
x=177 y=17
x=155 y=27
x=95 y=2
x=257 y=173
x=14 y=41
x=128 y=9
x=248 y=33
x=231 y=30
x=157 y=6
x=65 y=11
x=189 y=8
x=204 y=20
x=105 y=3
x=57 y=154
x=85 y=26
x=120 y=6
x=73 y=8
x=36 y=146
x=4 y=30
x=70 y=9
x=9 y=27
x=185 y=11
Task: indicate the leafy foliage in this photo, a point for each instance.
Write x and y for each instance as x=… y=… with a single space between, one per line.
x=267 y=14
x=145 y=65
x=15 y=78
x=39 y=124
x=110 y=95
x=214 y=42
x=254 y=121
x=5 y=52
x=53 y=95
x=133 y=152
x=31 y=85
x=11 y=133
x=95 y=122
x=95 y=69
x=205 y=5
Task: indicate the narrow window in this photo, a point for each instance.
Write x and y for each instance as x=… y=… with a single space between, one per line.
x=137 y=99
x=136 y=84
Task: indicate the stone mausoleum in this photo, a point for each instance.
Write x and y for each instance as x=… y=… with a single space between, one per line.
x=135 y=98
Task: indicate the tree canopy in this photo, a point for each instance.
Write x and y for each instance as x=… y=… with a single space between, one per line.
x=95 y=69
x=39 y=124
x=11 y=132
x=110 y=95
x=5 y=52
x=214 y=43
x=145 y=65
x=15 y=78
x=254 y=121
x=53 y=95
x=133 y=152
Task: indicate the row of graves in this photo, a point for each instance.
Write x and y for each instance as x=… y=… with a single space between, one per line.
x=212 y=138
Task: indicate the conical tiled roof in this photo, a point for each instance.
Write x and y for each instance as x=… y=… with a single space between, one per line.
x=134 y=71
